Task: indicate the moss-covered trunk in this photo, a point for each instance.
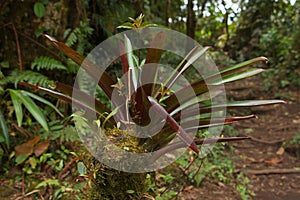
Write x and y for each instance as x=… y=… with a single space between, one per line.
x=111 y=184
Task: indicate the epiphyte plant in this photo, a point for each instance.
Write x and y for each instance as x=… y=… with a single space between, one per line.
x=152 y=112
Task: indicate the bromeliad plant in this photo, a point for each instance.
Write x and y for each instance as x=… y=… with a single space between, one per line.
x=134 y=103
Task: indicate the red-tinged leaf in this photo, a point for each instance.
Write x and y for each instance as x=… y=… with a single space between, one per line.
x=243 y=65
x=248 y=103
x=156 y=140
x=105 y=81
x=156 y=48
x=177 y=145
x=27 y=147
x=149 y=70
x=174 y=125
x=189 y=61
x=238 y=118
x=40 y=148
x=180 y=66
x=85 y=98
x=140 y=107
x=227 y=74
x=68 y=99
x=75 y=56
x=196 y=88
x=238 y=76
x=229 y=105
x=125 y=66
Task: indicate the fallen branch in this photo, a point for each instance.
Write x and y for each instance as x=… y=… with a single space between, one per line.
x=271 y=171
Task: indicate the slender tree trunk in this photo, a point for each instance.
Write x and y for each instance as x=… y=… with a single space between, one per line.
x=167 y=13
x=191 y=20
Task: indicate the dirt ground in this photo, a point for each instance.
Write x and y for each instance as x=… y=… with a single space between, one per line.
x=269 y=159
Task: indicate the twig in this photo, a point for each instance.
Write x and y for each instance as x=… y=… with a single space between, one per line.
x=29 y=193
x=65 y=169
x=22 y=130
x=17 y=43
x=266 y=141
x=18 y=46
x=271 y=171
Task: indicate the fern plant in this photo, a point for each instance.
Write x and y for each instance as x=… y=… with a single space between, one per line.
x=133 y=108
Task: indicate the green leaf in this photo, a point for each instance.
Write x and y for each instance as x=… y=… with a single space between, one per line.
x=39 y=9
x=130 y=191
x=239 y=76
x=44 y=101
x=32 y=108
x=85 y=98
x=4 y=130
x=43 y=62
x=132 y=73
x=189 y=61
x=21 y=158
x=47 y=182
x=243 y=65
x=62 y=97
x=249 y=103
x=126 y=25
x=17 y=106
x=81 y=168
x=79 y=186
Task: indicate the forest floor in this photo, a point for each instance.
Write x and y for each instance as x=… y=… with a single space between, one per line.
x=271 y=159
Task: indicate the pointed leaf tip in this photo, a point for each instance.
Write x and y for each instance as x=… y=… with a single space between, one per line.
x=48 y=37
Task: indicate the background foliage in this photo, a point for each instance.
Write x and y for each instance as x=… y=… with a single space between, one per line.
x=236 y=32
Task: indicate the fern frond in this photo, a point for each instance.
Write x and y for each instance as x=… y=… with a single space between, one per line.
x=28 y=76
x=71 y=38
x=72 y=66
x=47 y=63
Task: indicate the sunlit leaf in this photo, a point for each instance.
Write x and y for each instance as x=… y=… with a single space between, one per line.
x=238 y=76
x=17 y=106
x=81 y=168
x=32 y=108
x=21 y=158
x=47 y=182
x=44 y=101
x=39 y=9
x=243 y=65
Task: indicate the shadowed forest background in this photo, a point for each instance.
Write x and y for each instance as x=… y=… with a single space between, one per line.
x=43 y=158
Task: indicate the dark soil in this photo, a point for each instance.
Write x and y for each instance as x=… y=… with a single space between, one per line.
x=270 y=159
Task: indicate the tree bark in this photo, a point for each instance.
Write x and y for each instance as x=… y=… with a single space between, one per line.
x=191 y=20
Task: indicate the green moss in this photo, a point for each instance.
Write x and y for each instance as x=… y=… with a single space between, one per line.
x=108 y=183
x=112 y=184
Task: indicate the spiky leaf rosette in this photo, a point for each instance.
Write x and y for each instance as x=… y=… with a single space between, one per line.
x=139 y=104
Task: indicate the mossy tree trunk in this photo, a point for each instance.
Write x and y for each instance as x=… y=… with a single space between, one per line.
x=112 y=184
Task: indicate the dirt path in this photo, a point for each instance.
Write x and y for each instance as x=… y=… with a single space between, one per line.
x=269 y=160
